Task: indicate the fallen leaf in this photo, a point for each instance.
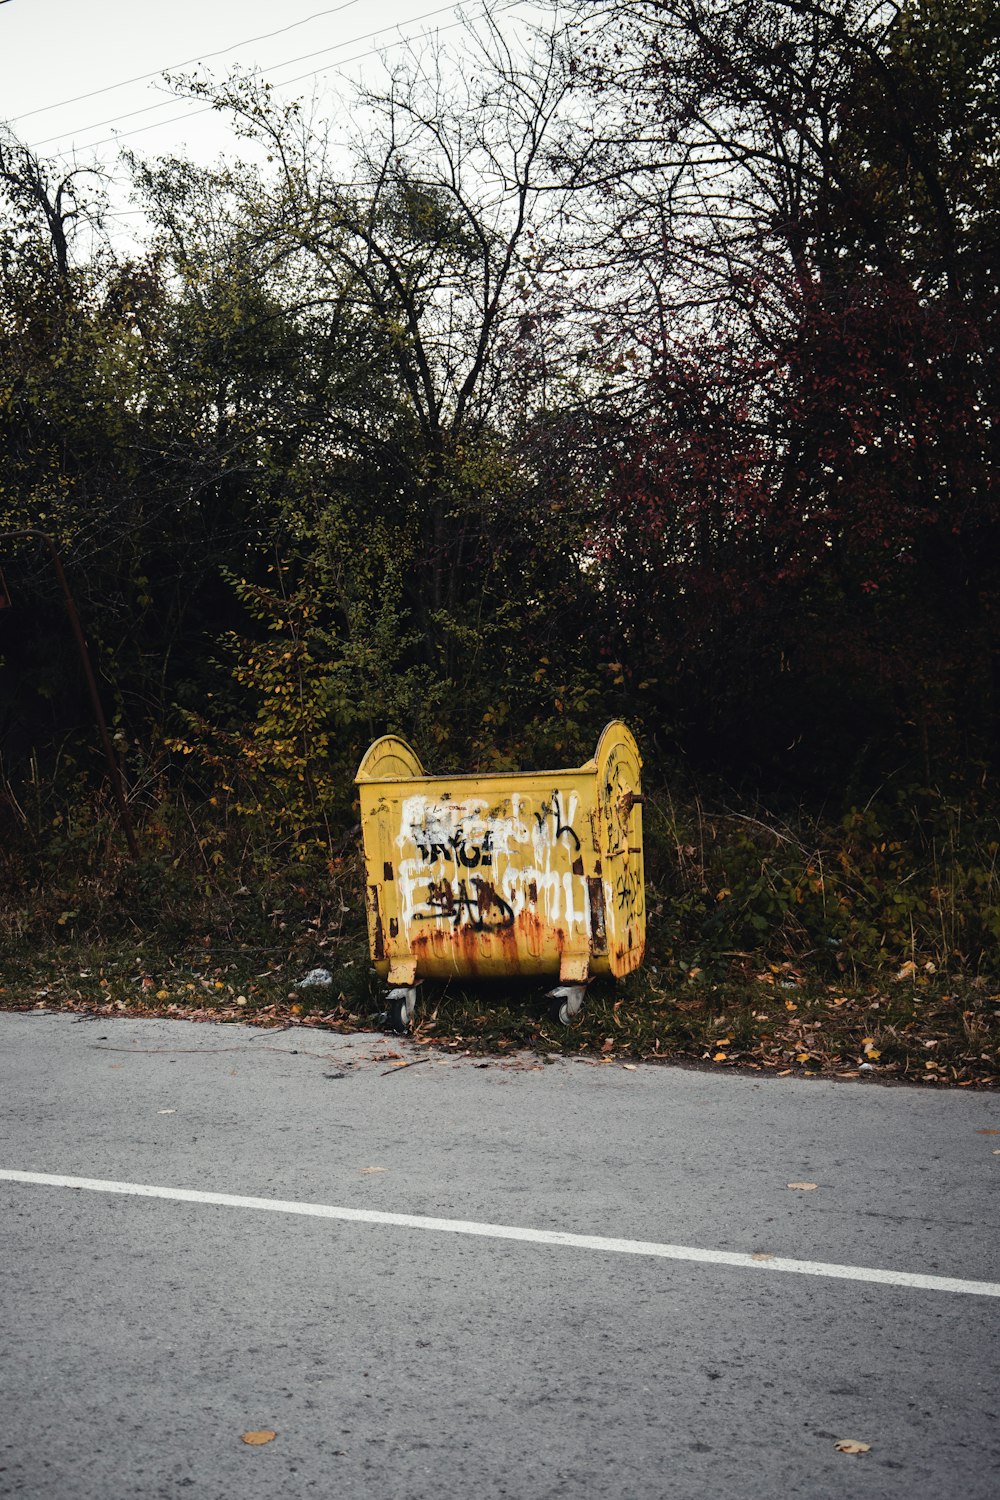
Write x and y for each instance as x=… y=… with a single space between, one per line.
x=264 y=1435
x=851 y=1445
x=608 y=1044
x=802 y=1057
x=631 y=1068
x=988 y=1132
x=166 y=1111
x=374 y=1169
x=163 y=994
x=763 y=1255
x=721 y=1057
x=803 y=1187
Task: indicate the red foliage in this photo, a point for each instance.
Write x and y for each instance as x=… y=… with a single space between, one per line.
x=834 y=501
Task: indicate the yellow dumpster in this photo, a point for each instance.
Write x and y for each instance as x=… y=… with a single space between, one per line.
x=516 y=872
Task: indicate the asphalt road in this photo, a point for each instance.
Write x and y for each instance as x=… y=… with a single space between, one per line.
x=139 y=1337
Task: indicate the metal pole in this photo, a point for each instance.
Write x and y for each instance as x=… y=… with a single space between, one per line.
x=88 y=672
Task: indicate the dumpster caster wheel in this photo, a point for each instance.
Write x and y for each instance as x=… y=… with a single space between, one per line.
x=400 y=1006
x=567 y=1002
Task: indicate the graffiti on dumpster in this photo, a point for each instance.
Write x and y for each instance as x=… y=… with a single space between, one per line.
x=524 y=846
x=483 y=912
x=629 y=893
x=617 y=795
x=612 y=792
x=459 y=851
x=551 y=817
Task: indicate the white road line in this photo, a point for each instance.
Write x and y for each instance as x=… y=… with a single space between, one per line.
x=744 y=1261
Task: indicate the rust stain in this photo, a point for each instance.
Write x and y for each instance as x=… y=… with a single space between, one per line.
x=511 y=948
x=379 y=940
x=578 y=866
x=531 y=930
x=598 y=929
x=441 y=895
x=387 y=871
x=393 y=927
x=492 y=908
x=466 y=945
x=533 y=892
x=431 y=944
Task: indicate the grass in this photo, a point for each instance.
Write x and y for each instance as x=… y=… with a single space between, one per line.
x=861 y=949
x=919 y=1028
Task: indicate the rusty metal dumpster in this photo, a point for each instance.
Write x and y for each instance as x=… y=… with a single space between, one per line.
x=509 y=873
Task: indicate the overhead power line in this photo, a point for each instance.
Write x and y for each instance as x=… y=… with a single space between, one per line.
x=188 y=62
x=289 y=62
x=283 y=83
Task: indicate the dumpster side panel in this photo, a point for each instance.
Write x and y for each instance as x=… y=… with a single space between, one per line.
x=480 y=879
x=619 y=798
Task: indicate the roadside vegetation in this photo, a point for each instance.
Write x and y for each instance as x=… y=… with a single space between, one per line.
x=796 y=948
x=645 y=370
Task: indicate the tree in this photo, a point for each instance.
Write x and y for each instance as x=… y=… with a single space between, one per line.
x=429 y=248
x=795 y=200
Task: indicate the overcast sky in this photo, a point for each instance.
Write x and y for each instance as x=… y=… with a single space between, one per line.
x=52 y=52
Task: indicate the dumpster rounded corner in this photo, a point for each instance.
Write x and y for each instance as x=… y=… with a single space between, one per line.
x=389 y=759
x=615 y=732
